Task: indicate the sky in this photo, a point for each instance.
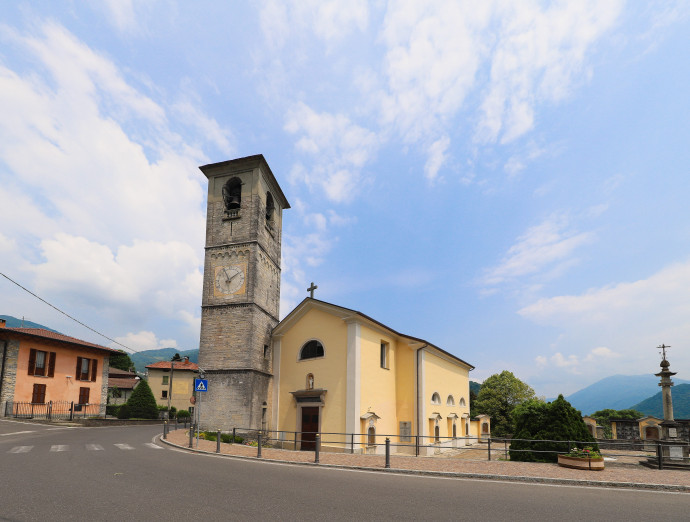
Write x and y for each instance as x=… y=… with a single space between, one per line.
x=506 y=180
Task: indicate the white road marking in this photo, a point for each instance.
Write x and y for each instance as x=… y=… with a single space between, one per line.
x=20 y=449
x=15 y=433
x=59 y=447
x=124 y=446
x=94 y=447
x=152 y=445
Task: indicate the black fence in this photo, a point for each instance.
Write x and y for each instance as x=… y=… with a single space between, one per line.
x=658 y=454
x=53 y=410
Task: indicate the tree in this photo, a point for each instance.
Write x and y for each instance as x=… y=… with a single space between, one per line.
x=498 y=397
x=603 y=417
x=176 y=357
x=121 y=361
x=538 y=424
x=142 y=403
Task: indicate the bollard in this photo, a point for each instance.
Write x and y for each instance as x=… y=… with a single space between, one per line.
x=165 y=430
x=388 y=452
x=317 y=447
x=191 y=435
x=658 y=455
x=489 y=451
x=416 y=445
x=233 y=436
x=352 y=442
x=569 y=448
x=176 y=422
x=218 y=442
x=505 y=441
x=258 y=448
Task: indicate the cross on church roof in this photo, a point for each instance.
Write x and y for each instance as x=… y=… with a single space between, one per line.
x=311 y=290
x=663 y=349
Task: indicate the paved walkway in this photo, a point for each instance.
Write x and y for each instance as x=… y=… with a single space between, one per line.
x=615 y=475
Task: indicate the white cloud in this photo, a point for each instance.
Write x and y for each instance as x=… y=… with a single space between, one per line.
x=144 y=340
x=549 y=246
x=336 y=148
x=437 y=157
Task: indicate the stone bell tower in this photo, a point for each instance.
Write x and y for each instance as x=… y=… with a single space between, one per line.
x=241 y=293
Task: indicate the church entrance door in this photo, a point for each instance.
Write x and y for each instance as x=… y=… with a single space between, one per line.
x=310 y=426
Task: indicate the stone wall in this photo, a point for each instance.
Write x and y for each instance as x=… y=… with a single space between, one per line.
x=10 y=375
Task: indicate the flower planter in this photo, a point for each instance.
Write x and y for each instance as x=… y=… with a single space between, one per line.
x=594 y=464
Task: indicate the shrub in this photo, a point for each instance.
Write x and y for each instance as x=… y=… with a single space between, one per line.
x=227 y=437
x=548 y=428
x=142 y=404
x=123 y=412
x=183 y=414
x=112 y=409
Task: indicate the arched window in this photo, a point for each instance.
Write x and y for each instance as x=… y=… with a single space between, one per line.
x=462 y=402
x=270 y=207
x=232 y=194
x=311 y=350
x=435 y=398
x=450 y=401
x=371 y=436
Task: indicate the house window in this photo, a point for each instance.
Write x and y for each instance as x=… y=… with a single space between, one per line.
x=462 y=402
x=450 y=401
x=435 y=398
x=164 y=394
x=165 y=379
x=84 y=366
x=84 y=395
x=39 y=394
x=311 y=350
x=384 y=355
x=41 y=363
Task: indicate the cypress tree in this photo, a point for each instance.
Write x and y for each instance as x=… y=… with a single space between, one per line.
x=142 y=403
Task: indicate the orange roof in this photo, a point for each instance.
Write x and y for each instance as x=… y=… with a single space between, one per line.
x=48 y=334
x=116 y=372
x=179 y=365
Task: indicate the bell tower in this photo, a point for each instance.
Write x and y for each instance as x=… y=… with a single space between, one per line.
x=241 y=292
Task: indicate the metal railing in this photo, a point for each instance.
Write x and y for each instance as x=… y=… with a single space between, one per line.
x=67 y=410
x=487 y=448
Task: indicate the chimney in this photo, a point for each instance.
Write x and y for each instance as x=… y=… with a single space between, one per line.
x=3 y=323
x=186 y=359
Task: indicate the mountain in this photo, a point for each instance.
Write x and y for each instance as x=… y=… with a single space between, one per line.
x=681 y=403
x=13 y=322
x=145 y=357
x=617 y=392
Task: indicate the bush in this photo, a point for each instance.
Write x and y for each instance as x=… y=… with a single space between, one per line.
x=183 y=414
x=112 y=409
x=545 y=425
x=142 y=404
x=224 y=437
x=123 y=412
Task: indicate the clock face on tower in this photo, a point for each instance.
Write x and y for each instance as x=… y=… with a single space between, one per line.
x=229 y=280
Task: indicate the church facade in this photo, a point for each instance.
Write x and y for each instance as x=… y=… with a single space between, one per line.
x=322 y=369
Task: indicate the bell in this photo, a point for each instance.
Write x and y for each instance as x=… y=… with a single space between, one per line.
x=234 y=202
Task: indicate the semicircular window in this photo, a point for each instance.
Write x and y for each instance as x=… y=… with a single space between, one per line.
x=311 y=350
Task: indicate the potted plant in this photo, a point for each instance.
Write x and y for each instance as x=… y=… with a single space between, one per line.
x=582 y=458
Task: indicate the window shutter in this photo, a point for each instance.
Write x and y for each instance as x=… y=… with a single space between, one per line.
x=94 y=369
x=51 y=365
x=32 y=361
x=77 y=375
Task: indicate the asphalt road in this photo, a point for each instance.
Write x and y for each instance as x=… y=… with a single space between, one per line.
x=121 y=473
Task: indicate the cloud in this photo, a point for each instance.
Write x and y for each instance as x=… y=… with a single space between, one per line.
x=549 y=246
x=144 y=340
x=336 y=149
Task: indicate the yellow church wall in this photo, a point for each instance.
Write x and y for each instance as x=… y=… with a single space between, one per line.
x=444 y=377
x=378 y=385
x=330 y=371
x=405 y=386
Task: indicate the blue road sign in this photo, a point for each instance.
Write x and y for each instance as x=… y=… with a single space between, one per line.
x=201 y=385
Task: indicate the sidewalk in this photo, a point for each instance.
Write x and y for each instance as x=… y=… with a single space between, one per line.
x=619 y=476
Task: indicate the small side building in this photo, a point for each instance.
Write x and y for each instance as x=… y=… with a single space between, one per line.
x=121 y=384
x=45 y=370
x=174 y=380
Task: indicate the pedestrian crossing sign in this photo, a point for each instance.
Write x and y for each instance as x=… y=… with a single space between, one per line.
x=201 y=385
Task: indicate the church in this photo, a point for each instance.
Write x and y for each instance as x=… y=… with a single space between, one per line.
x=322 y=369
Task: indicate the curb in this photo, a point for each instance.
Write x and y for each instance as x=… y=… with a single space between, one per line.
x=450 y=474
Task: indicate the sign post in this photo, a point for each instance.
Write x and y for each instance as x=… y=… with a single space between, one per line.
x=200 y=385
